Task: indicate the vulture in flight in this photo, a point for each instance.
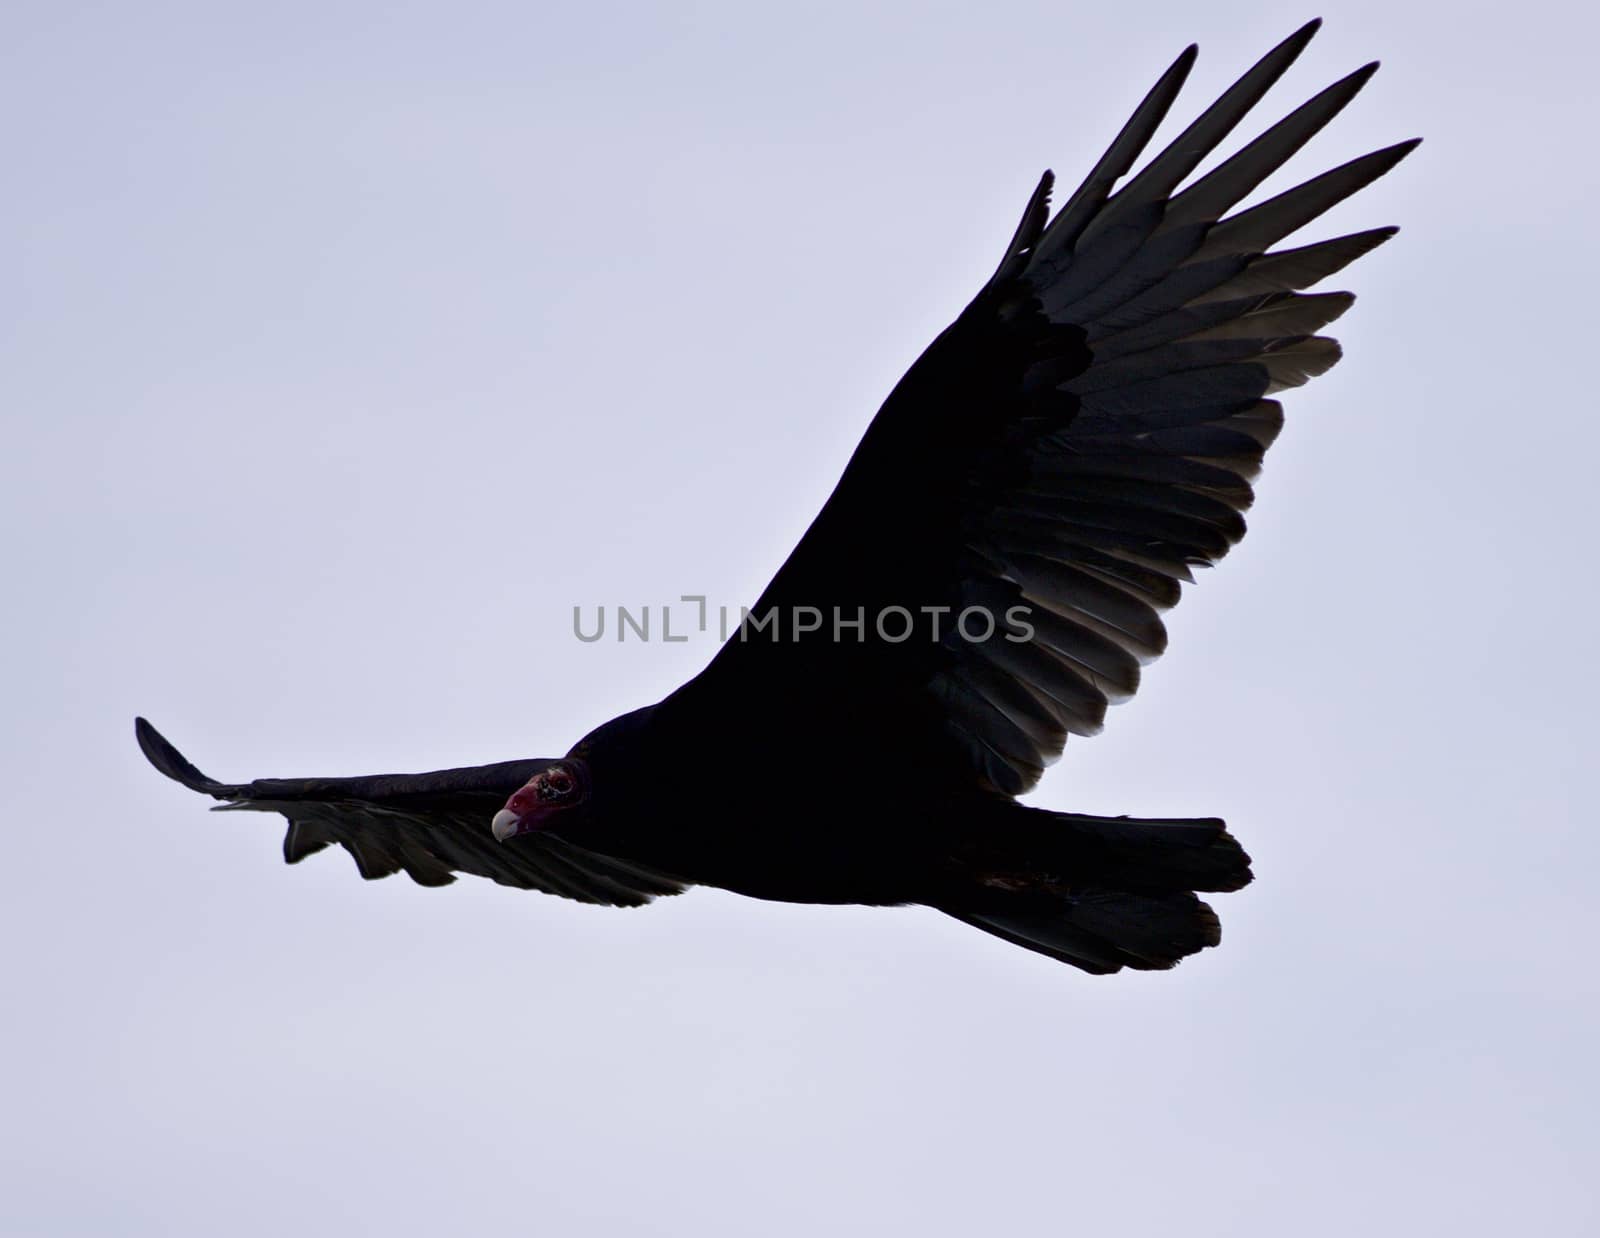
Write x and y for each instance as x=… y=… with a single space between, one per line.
x=988 y=575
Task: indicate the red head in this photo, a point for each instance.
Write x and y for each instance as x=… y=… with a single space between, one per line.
x=541 y=803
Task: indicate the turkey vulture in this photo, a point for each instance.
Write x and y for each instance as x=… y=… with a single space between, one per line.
x=988 y=575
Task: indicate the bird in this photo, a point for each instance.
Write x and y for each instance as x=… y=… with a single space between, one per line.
x=988 y=575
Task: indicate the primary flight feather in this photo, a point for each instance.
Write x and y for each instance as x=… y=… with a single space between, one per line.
x=988 y=575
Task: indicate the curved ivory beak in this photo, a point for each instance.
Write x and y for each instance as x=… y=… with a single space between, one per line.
x=505 y=825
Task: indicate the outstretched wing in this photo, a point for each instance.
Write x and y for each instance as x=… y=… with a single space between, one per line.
x=431 y=826
x=1074 y=444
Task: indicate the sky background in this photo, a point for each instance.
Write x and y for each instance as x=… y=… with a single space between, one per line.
x=348 y=346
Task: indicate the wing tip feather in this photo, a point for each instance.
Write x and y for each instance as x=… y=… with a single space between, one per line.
x=159 y=751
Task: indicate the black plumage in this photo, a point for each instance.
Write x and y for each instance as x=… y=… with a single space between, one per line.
x=1057 y=463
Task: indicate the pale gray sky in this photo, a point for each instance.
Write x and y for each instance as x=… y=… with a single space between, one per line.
x=349 y=345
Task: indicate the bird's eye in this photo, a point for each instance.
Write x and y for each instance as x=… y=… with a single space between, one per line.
x=558 y=784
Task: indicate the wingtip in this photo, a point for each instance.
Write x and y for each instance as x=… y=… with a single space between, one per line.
x=168 y=760
x=1177 y=73
x=1045 y=190
x=1399 y=151
x=1296 y=42
x=154 y=746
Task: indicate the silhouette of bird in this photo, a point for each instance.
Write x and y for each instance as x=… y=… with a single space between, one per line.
x=987 y=576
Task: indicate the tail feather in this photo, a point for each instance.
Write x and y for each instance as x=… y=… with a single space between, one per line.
x=1148 y=855
x=1103 y=931
x=1103 y=893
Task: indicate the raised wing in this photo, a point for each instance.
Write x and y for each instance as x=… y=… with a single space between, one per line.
x=431 y=826
x=1075 y=443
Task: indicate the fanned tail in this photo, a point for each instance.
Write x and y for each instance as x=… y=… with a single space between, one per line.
x=1104 y=893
